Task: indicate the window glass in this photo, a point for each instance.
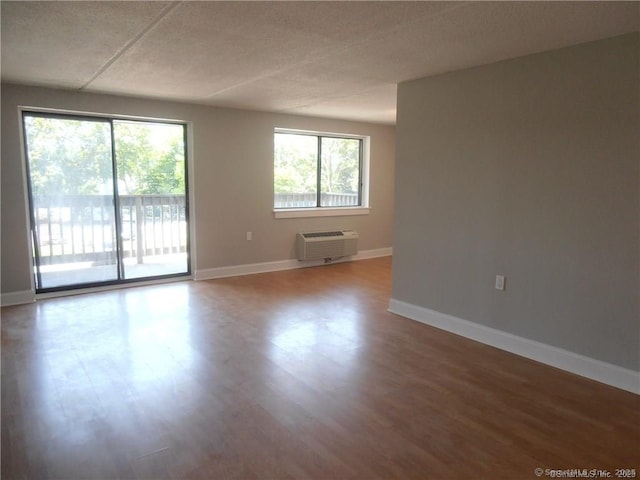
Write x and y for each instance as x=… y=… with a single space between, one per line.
x=295 y=171
x=340 y=169
x=315 y=170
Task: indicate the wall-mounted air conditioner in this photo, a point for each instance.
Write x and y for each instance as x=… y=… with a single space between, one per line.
x=326 y=245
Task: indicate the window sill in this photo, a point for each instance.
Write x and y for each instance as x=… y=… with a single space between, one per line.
x=319 y=212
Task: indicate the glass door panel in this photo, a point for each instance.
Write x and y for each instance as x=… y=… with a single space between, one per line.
x=151 y=168
x=89 y=229
x=69 y=162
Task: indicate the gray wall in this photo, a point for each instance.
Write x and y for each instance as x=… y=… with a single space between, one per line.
x=233 y=179
x=527 y=168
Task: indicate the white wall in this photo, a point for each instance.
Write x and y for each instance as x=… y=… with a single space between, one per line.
x=232 y=179
x=527 y=168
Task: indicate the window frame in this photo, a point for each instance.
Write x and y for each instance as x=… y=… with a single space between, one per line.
x=363 y=178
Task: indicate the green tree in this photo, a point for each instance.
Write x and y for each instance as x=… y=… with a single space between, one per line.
x=340 y=165
x=150 y=157
x=66 y=156
x=73 y=157
x=295 y=163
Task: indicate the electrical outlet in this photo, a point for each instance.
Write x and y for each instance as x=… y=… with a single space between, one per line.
x=500 y=282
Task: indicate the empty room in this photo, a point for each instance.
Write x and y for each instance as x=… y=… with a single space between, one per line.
x=323 y=240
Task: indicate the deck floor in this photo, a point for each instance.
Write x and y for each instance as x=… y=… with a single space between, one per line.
x=86 y=272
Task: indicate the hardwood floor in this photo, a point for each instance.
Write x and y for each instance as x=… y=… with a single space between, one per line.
x=287 y=375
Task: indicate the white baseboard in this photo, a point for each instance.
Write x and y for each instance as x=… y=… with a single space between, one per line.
x=556 y=357
x=17 y=298
x=290 y=264
x=375 y=253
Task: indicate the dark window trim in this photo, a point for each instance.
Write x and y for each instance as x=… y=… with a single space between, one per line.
x=319 y=136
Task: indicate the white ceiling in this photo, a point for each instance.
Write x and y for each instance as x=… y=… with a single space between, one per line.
x=330 y=59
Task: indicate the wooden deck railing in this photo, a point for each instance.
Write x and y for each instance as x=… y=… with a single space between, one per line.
x=76 y=228
x=302 y=200
x=81 y=228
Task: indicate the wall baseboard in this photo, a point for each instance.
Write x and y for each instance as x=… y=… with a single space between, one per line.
x=593 y=369
x=290 y=264
x=17 y=298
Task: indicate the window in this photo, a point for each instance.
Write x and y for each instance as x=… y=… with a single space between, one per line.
x=315 y=170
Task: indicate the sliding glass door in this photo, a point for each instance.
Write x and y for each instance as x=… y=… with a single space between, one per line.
x=152 y=196
x=108 y=200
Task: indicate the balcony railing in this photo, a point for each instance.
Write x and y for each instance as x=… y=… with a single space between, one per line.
x=305 y=200
x=80 y=228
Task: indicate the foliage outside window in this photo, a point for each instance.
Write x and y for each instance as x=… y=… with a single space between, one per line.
x=315 y=170
x=73 y=156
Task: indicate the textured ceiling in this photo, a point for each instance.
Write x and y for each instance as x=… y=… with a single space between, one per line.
x=332 y=59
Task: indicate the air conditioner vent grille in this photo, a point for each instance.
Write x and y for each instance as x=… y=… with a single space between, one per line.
x=322 y=234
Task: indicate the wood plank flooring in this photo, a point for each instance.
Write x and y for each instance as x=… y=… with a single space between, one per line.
x=288 y=375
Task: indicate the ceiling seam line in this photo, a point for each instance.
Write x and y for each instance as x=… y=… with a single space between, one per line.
x=163 y=13
x=320 y=100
